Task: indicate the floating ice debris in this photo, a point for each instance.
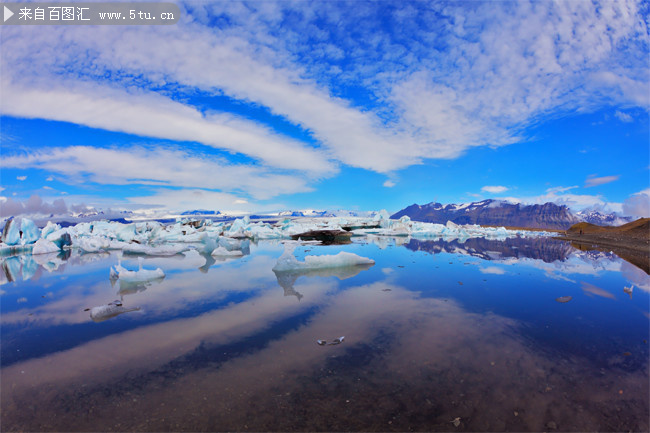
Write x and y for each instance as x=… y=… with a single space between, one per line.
x=288 y=261
x=141 y=275
x=628 y=290
x=110 y=310
x=222 y=252
x=564 y=299
x=333 y=343
x=43 y=246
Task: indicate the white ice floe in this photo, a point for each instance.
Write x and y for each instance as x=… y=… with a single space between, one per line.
x=288 y=262
x=141 y=275
x=110 y=310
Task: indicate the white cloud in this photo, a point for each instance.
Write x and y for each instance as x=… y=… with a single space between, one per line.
x=389 y=183
x=623 y=117
x=575 y=202
x=638 y=204
x=529 y=60
x=152 y=115
x=595 y=181
x=21 y=178
x=157 y=166
x=494 y=189
x=49 y=179
x=31 y=206
x=184 y=199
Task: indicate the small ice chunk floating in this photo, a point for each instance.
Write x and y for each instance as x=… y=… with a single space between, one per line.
x=289 y=262
x=333 y=343
x=110 y=310
x=141 y=275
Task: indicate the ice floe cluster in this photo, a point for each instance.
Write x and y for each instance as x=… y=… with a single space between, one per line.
x=220 y=239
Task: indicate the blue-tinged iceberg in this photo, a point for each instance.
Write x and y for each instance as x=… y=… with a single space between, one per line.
x=289 y=262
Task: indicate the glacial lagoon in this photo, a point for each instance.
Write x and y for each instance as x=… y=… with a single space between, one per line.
x=521 y=334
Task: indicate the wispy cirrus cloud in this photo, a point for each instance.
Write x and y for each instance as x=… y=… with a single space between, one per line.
x=157 y=166
x=595 y=181
x=576 y=202
x=423 y=101
x=497 y=189
x=152 y=115
x=185 y=198
x=623 y=117
x=378 y=86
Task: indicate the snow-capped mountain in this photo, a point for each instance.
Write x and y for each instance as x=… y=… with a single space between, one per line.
x=610 y=219
x=493 y=212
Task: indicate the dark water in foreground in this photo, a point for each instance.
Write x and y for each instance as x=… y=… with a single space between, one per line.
x=438 y=337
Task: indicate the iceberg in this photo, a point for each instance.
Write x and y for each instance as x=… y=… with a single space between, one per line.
x=31 y=233
x=43 y=246
x=60 y=237
x=141 y=275
x=159 y=250
x=11 y=232
x=244 y=245
x=93 y=244
x=288 y=262
x=49 y=229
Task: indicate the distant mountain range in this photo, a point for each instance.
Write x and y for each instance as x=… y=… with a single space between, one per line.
x=502 y=213
x=600 y=219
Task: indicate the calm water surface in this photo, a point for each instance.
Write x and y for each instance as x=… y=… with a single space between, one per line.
x=439 y=336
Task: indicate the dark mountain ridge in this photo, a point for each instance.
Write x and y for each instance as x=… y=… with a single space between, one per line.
x=494 y=212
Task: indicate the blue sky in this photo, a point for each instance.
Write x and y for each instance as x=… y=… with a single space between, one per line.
x=357 y=105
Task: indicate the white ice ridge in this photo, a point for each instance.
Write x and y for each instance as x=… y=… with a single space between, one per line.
x=155 y=238
x=141 y=275
x=289 y=262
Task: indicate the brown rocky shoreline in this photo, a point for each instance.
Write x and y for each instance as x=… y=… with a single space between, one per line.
x=630 y=241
